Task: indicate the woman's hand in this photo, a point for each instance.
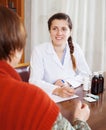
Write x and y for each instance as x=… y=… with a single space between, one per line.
x=61 y=83
x=64 y=91
x=82 y=112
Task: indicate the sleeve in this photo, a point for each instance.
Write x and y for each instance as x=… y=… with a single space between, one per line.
x=81 y=125
x=82 y=66
x=63 y=124
x=37 y=71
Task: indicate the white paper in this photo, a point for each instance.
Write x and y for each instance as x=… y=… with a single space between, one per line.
x=57 y=99
x=75 y=84
x=89 y=99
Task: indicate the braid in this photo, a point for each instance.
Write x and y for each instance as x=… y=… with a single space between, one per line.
x=71 y=46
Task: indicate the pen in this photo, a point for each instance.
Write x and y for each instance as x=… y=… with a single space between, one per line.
x=63 y=81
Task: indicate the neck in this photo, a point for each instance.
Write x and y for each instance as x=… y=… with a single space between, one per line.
x=59 y=49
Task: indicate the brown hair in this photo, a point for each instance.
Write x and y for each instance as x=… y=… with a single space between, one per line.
x=70 y=43
x=12 y=33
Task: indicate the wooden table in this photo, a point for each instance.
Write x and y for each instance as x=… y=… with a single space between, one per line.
x=97 y=119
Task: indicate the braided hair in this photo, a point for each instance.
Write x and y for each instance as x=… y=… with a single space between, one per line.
x=70 y=43
x=71 y=46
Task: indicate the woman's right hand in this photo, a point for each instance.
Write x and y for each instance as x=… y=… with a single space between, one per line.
x=61 y=83
x=64 y=91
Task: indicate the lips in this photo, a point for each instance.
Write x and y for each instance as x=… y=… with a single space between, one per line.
x=59 y=38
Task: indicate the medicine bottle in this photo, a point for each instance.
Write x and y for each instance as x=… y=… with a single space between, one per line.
x=94 y=83
x=101 y=83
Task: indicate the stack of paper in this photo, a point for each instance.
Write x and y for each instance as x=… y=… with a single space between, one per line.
x=57 y=99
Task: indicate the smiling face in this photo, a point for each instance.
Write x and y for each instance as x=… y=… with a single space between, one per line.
x=59 y=32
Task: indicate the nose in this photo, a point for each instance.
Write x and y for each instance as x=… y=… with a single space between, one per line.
x=59 y=31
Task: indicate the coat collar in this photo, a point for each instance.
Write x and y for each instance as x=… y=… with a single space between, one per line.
x=50 y=48
x=51 y=51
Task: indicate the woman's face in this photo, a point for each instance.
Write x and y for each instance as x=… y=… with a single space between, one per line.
x=59 y=32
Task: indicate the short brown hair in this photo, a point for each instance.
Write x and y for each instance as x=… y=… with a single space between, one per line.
x=12 y=33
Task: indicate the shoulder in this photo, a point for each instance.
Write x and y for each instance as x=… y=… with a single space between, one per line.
x=42 y=45
x=78 y=50
x=30 y=89
x=34 y=92
x=42 y=49
x=77 y=46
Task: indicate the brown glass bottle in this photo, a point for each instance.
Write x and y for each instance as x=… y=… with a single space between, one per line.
x=101 y=83
x=94 y=84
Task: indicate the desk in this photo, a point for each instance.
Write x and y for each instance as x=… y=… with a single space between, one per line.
x=97 y=119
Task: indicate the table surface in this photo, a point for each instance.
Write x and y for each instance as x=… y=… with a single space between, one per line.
x=97 y=119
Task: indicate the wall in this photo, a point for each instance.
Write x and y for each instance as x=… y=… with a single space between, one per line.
x=89 y=26
x=28 y=29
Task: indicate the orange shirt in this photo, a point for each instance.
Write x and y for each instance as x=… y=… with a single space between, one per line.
x=23 y=106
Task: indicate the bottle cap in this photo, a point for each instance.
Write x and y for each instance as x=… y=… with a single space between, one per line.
x=95 y=73
x=100 y=72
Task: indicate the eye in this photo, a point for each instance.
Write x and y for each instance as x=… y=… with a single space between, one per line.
x=54 y=28
x=64 y=29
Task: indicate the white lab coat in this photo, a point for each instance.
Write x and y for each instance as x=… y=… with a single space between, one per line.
x=46 y=68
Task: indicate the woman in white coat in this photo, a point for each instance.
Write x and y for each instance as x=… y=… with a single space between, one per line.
x=57 y=65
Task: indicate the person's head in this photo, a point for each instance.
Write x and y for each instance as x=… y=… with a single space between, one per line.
x=12 y=36
x=60 y=26
x=60 y=16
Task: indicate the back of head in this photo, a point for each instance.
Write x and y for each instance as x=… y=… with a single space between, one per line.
x=12 y=33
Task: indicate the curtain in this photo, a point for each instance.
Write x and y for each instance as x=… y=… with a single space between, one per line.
x=89 y=26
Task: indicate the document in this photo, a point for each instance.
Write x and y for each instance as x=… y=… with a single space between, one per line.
x=75 y=84
x=58 y=99
x=75 y=81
